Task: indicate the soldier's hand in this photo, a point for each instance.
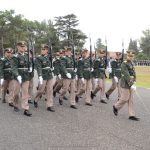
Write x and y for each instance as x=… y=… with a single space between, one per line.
x=133 y=87
x=40 y=79
x=68 y=75
x=109 y=70
x=116 y=79
x=1 y=81
x=30 y=69
x=82 y=79
x=92 y=69
x=59 y=76
x=19 y=78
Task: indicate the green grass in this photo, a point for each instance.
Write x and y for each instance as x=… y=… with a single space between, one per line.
x=143 y=76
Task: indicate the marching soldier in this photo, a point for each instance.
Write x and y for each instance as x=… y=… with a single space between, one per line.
x=115 y=70
x=127 y=83
x=9 y=76
x=68 y=75
x=45 y=78
x=85 y=75
x=24 y=69
x=99 y=66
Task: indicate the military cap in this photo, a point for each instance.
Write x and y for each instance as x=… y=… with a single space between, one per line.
x=118 y=53
x=101 y=51
x=84 y=50
x=44 y=46
x=21 y=43
x=68 y=49
x=8 y=50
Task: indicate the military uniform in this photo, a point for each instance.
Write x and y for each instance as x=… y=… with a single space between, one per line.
x=68 y=75
x=45 y=72
x=128 y=79
x=85 y=76
x=24 y=65
x=116 y=75
x=9 y=72
x=99 y=74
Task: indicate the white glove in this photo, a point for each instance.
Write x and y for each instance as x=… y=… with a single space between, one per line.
x=30 y=69
x=59 y=76
x=52 y=68
x=109 y=70
x=68 y=75
x=40 y=79
x=1 y=81
x=19 y=78
x=116 y=79
x=75 y=70
x=133 y=87
x=92 y=69
x=76 y=77
x=82 y=79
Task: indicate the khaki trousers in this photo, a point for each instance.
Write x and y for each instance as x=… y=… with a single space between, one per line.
x=30 y=89
x=68 y=83
x=48 y=86
x=25 y=95
x=113 y=87
x=13 y=87
x=100 y=86
x=126 y=97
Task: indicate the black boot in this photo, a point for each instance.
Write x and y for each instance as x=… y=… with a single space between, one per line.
x=50 y=109
x=35 y=104
x=92 y=95
x=134 y=118
x=16 y=109
x=103 y=101
x=73 y=106
x=11 y=104
x=30 y=102
x=27 y=113
x=115 y=110
x=77 y=99
x=107 y=96
x=60 y=102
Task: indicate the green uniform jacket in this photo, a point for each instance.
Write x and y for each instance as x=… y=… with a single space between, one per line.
x=79 y=64
x=67 y=66
x=128 y=75
x=23 y=64
x=116 y=68
x=43 y=67
x=56 y=65
x=99 y=68
x=8 y=68
x=84 y=68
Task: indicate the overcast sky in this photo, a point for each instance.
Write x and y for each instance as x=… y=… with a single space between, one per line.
x=114 y=19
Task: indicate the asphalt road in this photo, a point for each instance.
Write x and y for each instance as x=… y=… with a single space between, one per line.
x=87 y=128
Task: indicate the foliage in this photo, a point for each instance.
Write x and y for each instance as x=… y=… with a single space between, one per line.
x=145 y=42
x=141 y=56
x=63 y=33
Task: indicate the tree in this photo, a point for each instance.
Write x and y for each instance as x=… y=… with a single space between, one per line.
x=99 y=45
x=145 y=43
x=141 y=56
x=133 y=45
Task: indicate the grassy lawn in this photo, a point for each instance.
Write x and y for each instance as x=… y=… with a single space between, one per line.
x=143 y=76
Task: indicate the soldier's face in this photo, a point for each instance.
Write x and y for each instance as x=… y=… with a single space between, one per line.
x=130 y=58
x=21 y=49
x=8 y=54
x=44 y=51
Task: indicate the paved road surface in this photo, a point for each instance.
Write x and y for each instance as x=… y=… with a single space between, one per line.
x=87 y=128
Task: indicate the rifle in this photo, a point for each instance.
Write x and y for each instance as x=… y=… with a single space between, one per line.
x=90 y=54
x=122 y=51
x=50 y=53
x=106 y=63
x=72 y=45
x=30 y=49
x=95 y=50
